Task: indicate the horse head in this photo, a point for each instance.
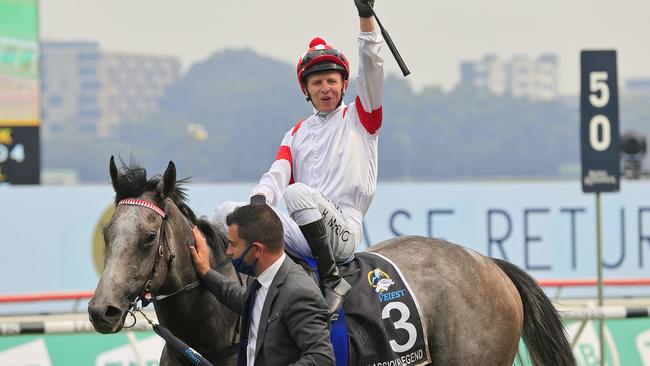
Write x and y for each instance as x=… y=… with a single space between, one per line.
x=138 y=249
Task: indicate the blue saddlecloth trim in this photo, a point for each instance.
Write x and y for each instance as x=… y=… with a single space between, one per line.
x=338 y=331
x=339 y=338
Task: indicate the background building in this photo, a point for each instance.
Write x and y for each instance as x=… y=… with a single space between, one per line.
x=132 y=85
x=97 y=90
x=520 y=77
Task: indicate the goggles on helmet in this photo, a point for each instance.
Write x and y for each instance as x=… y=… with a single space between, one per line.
x=321 y=57
x=312 y=55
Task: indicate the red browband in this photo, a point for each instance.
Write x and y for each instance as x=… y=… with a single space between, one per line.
x=143 y=203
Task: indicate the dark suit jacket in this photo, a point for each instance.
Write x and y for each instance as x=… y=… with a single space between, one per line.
x=293 y=326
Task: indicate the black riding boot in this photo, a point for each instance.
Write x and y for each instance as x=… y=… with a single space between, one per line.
x=335 y=288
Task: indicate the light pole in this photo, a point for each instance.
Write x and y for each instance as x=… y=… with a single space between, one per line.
x=195 y=133
x=633 y=147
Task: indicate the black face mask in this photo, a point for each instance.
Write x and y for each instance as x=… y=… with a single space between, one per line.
x=243 y=267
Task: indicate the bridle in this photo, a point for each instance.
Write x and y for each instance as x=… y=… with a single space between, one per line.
x=162 y=244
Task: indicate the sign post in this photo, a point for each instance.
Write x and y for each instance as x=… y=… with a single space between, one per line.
x=599 y=142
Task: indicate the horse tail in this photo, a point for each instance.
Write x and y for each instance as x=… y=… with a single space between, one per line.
x=544 y=334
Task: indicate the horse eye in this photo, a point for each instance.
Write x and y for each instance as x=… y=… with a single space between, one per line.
x=150 y=238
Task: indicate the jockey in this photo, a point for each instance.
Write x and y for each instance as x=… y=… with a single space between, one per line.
x=326 y=166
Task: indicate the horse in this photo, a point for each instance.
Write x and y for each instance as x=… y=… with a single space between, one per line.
x=475 y=309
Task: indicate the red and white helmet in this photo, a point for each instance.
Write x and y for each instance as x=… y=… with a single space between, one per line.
x=321 y=57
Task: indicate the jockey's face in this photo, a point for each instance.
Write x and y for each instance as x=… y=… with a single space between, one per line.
x=326 y=89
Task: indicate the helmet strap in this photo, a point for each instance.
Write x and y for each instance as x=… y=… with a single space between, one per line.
x=342 y=95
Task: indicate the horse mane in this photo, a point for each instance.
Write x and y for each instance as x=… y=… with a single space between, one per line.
x=213 y=237
x=132 y=182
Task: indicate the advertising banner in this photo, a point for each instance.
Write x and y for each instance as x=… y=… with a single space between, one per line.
x=19 y=92
x=546 y=228
x=627 y=343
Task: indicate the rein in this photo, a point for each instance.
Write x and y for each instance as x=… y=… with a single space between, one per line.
x=145 y=301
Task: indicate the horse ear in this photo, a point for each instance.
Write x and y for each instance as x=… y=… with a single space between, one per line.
x=169 y=180
x=115 y=174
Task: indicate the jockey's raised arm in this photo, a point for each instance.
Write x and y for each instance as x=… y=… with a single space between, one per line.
x=326 y=165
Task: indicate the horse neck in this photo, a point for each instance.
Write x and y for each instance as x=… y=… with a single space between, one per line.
x=195 y=316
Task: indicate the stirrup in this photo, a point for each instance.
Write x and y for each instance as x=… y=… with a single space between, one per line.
x=335 y=296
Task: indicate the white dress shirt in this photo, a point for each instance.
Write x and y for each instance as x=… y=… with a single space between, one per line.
x=265 y=279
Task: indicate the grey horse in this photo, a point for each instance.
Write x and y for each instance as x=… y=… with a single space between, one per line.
x=475 y=308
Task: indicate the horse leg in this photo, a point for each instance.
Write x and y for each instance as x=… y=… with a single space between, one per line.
x=466 y=331
x=473 y=339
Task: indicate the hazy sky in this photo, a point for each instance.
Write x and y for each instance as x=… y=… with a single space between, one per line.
x=433 y=36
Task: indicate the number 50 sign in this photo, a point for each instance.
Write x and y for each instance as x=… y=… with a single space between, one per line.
x=599 y=134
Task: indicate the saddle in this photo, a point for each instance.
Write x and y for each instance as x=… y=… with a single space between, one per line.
x=380 y=321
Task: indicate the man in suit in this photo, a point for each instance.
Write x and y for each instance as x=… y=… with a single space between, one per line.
x=284 y=316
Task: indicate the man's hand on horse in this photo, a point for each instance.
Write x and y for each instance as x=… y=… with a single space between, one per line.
x=200 y=253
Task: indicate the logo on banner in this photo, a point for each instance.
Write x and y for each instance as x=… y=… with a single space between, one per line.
x=379 y=280
x=150 y=349
x=30 y=353
x=587 y=347
x=98 y=239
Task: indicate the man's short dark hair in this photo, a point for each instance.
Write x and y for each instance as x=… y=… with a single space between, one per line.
x=259 y=223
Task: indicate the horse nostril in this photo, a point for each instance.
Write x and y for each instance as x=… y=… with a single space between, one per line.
x=112 y=311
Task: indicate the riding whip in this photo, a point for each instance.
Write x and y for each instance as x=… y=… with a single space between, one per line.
x=391 y=45
x=179 y=346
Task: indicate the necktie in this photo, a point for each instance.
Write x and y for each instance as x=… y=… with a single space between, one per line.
x=245 y=323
